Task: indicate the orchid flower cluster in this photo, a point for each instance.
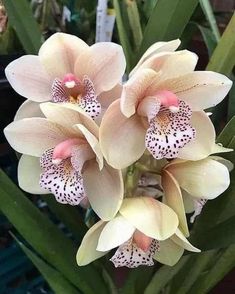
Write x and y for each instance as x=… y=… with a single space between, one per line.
x=139 y=153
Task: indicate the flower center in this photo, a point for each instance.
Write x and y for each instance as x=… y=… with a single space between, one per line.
x=142 y=241
x=168 y=99
x=150 y=106
x=64 y=150
x=82 y=92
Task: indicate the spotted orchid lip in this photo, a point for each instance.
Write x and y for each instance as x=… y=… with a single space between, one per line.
x=198 y=206
x=169 y=131
x=130 y=255
x=63 y=176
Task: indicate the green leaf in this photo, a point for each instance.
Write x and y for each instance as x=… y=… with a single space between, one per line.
x=223 y=265
x=231 y=102
x=227 y=133
x=208 y=38
x=123 y=35
x=45 y=237
x=207 y=9
x=148 y=7
x=167 y=21
x=55 y=279
x=137 y=280
x=69 y=215
x=223 y=61
x=134 y=20
x=22 y=20
x=219 y=236
x=189 y=273
x=163 y=276
x=223 y=58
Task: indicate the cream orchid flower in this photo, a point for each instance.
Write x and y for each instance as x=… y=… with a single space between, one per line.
x=61 y=155
x=193 y=182
x=145 y=229
x=161 y=109
x=67 y=70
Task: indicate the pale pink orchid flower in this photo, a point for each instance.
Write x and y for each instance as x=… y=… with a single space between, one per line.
x=61 y=155
x=144 y=230
x=67 y=70
x=161 y=109
x=187 y=185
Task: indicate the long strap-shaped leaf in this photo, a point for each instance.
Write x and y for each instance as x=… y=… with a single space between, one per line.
x=223 y=61
x=22 y=20
x=45 y=237
x=163 y=276
x=67 y=214
x=167 y=21
x=223 y=58
x=224 y=263
x=186 y=277
x=123 y=36
x=55 y=279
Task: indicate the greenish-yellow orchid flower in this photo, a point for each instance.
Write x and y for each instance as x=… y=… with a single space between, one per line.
x=161 y=109
x=61 y=155
x=143 y=230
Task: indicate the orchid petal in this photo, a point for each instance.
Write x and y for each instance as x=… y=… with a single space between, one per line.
x=108 y=97
x=134 y=90
x=104 y=189
x=173 y=198
x=171 y=64
x=180 y=240
x=202 y=145
x=200 y=89
x=93 y=142
x=151 y=217
x=178 y=64
x=116 y=232
x=188 y=202
x=87 y=251
x=33 y=136
x=104 y=63
x=68 y=115
x=121 y=139
x=220 y=149
x=28 y=109
x=191 y=176
x=157 y=48
x=227 y=163
x=169 y=252
x=29 y=171
x=28 y=78
x=59 y=53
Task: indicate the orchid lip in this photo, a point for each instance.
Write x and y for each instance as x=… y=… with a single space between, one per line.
x=64 y=150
